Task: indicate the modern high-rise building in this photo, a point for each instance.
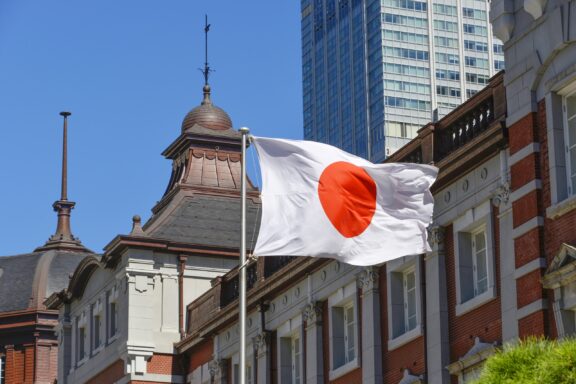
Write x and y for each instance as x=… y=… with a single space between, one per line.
x=375 y=71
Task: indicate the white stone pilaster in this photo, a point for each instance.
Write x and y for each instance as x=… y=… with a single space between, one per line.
x=371 y=333
x=437 y=341
x=314 y=355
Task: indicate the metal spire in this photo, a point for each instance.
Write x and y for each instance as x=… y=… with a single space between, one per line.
x=63 y=238
x=206 y=71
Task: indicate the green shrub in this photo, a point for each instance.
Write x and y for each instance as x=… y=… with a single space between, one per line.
x=532 y=361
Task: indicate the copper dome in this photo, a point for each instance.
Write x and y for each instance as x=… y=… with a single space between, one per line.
x=207 y=115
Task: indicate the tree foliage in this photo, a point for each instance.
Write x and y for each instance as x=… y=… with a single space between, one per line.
x=532 y=361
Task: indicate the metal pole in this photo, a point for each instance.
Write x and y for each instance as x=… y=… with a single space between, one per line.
x=242 y=292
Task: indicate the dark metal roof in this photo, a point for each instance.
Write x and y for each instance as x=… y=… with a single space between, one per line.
x=27 y=280
x=209 y=220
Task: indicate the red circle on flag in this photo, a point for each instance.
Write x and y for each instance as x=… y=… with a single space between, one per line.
x=348 y=196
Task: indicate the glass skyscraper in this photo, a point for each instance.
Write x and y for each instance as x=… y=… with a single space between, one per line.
x=375 y=71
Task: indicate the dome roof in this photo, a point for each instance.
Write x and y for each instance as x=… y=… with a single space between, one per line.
x=27 y=280
x=207 y=115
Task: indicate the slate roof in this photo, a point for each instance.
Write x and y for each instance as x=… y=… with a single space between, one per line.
x=27 y=280
x=208 y=220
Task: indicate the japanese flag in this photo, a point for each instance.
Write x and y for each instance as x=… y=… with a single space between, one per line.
x=320 y=201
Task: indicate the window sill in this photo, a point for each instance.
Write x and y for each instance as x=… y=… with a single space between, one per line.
x=97 y=350
x=111 y=339
x=81 y=362
x=561 y=208
x=475 y=302
x=344 y=369
x=405 y=338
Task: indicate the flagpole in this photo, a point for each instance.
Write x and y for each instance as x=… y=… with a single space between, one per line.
x=242 y=311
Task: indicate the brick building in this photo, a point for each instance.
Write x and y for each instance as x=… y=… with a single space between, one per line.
x=161 y=304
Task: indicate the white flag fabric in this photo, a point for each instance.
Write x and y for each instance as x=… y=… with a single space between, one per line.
x=320 y=201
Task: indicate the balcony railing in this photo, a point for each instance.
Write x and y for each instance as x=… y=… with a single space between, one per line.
x=230 y=286
x=465 y=129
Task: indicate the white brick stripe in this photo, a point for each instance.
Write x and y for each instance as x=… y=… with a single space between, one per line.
x=530 y=267
x=531 y=308
x=527 y=226
x=525 y=189
x=527 y=150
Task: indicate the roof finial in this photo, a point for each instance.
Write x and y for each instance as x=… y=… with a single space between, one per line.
x=206 y=71
x=63 y=238
x=64 y=189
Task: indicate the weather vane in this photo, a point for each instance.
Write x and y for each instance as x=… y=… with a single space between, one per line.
x=206 y=71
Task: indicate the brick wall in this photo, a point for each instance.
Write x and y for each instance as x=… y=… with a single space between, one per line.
x=112 y=373
x=164 y=364
x=200 y=355
x=19 y=364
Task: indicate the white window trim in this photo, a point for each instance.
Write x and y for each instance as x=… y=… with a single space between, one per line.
x=290 y=329
x=342 y=297
x=82 y=323
x=2 y=369
x=402 y=265
x=98 y=311
x=569 y=91
x=249 y=363
x=472 y=220
x=557 y=156
x=112 y=298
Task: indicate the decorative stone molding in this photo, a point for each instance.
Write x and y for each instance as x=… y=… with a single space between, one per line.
x=409 y=378
x=535 y=7
x=261 y=341
x=436 y=236
x=215 y=367
x=479 y=352
x=368 y=279
x=502 y=18
x=312 y=313
x=501 y=195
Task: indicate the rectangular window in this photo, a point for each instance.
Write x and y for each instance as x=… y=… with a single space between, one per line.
x=480 y=267
x=403 y=300
x=443 y=9
x=296 y=360
x=472 y=13
x=442 y=25
x=409 y=282
x=113 y=319
x=2 y=369
x=569 y=109
x=81 y=343
x=498 y=65
x=474 y=258
x=471 y=92
x=472 y=29
x=342 y=309
x=97 y=324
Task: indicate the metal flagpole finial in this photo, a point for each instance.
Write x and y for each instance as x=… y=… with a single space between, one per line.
x=206 y=71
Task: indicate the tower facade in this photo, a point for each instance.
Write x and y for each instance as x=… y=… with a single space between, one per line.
x=375 y=71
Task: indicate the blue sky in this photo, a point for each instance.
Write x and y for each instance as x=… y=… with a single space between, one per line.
x=128 y=72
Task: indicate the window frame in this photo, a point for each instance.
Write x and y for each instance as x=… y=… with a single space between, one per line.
x=563 y=200
x=570 y=173
x=235 y=366
x=286 y=334
x=345 y=297
x=2 y=369
x=82 y=344
x=473 y=221
x=396 y=272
